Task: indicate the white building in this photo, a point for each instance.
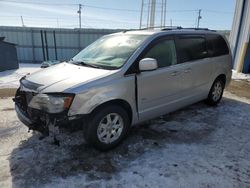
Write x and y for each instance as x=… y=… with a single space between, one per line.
x=239 y=36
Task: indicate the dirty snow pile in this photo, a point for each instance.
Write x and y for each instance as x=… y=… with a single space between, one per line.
x=195 y=147
x=10 y=78
x=240 y=76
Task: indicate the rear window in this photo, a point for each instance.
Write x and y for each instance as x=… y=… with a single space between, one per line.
x=217 y=45
x=191 y=48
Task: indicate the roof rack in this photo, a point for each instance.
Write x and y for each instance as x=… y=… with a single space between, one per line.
x=171 y=28
x=195 y=28
x=166 y=28
x=191 y=28
x=155 y=27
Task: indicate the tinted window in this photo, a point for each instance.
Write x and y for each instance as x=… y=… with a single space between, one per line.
x=191 y=48
x=164 y=52
x=217 y=45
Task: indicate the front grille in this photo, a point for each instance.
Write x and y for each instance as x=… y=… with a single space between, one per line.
x=29 y=96
x=23 y=99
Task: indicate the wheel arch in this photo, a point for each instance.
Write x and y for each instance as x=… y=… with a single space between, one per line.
x=222 y=77
x=120 y=102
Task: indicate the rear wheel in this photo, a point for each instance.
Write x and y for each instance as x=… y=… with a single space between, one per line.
x=216 y=92
x=107 y=127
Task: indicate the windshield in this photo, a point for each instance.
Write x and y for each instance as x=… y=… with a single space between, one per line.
x=111 y=51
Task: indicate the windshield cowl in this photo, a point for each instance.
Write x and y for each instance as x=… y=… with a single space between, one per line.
x=82 y=63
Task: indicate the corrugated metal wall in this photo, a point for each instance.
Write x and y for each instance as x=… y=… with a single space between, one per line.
x=240 y=34
x=68 y=41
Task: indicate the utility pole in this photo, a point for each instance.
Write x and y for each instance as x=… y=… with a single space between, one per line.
x=142 y=4
x=22 y=21
x=152 y=14
x=80 y=17
x=162 y=9
x=149 y=5
x=171 y=22
x=164 y=12
x=199 y=17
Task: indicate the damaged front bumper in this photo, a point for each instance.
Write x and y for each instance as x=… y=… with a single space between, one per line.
x=39 y=120
x=22 y=116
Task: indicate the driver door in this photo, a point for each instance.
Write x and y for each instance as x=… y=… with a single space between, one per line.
x=159 y=90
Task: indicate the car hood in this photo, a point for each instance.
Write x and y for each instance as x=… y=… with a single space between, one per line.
x=63 y=76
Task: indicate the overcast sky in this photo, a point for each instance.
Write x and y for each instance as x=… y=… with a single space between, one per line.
x=216 y=14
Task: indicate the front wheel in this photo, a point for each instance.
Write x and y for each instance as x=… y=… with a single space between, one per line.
x=216 y=92
x=107 y=127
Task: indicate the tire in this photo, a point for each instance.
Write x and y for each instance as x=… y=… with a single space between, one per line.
x=216 y=92
x=107 y=127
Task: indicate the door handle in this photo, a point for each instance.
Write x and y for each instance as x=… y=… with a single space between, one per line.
x=187 y=70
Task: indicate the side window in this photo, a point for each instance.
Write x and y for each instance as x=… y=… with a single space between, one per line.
x=191 y=48
x=217 y=45
x=164 y=52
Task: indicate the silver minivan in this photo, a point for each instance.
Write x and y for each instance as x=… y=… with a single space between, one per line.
x=126 y=78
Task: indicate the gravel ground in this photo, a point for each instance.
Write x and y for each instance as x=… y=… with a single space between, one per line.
x=198 y=146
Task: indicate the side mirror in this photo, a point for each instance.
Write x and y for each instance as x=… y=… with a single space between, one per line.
x=148 y=64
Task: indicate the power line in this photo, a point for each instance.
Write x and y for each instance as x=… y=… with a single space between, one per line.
x=132 y=10
x=68 y=4
x=115 y=9
x=217 y=12
x=87 y=17
x=40 y=3
x=111 y=8
x=93 y=19
x=54 y=19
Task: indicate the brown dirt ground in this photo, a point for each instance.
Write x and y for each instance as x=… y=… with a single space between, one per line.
x=7 y=92
x=240 y=88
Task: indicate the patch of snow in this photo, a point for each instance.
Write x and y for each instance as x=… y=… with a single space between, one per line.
x=198 y=146
x=240 y=76
x=10 y=78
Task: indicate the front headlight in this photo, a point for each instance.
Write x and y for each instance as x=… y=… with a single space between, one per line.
x=51 y=103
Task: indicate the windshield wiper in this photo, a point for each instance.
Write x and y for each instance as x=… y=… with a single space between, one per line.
x=85 y=64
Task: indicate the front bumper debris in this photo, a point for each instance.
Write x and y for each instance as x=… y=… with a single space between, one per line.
x=38 y=120
x=22 y=116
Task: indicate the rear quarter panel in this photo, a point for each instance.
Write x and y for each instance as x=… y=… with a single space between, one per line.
x=222 y=65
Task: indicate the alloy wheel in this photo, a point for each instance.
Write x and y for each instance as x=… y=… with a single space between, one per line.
x=110 y=128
